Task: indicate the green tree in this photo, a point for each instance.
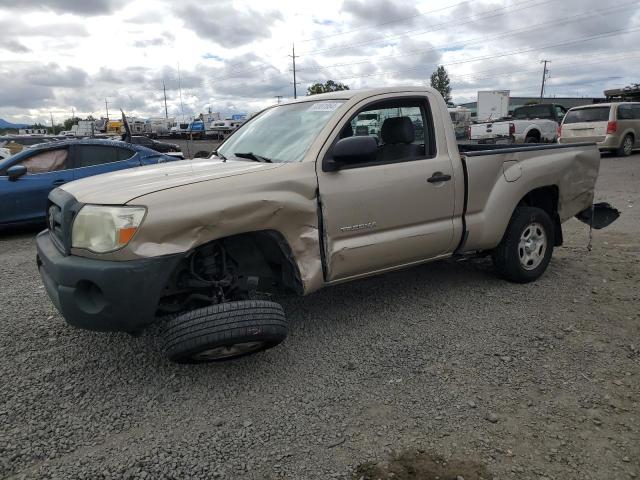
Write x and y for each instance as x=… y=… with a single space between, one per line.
x=69 y=122
x=329 y=86
x=440 y=81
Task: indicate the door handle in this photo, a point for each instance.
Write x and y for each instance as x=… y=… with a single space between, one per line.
x=439 y=177
x=59 y=182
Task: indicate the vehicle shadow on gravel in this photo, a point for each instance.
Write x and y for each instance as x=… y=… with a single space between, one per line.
x=11 y=232
x=314 y=321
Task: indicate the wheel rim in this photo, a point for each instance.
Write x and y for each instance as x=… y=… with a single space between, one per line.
x=628 y=145
x=532 y=246
x=228 y=351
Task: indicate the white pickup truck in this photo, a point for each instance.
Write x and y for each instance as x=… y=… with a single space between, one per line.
x=528 y=124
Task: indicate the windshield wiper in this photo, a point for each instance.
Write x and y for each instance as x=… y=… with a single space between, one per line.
x=252 y=156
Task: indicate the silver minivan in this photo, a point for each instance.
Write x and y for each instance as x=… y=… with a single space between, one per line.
x=614 y=127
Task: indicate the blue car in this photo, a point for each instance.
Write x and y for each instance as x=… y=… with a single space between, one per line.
x=27 y=177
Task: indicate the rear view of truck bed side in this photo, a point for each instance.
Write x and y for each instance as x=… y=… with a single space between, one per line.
x=559 y=180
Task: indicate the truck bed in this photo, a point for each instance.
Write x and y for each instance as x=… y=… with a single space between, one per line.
x=499 y=174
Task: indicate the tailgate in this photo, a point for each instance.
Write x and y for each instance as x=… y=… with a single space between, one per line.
x=483 y=131
x=585 y=131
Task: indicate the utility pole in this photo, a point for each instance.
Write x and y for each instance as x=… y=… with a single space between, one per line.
x=295 y=93
x=279 y=97
x=544 y=77
x=106 y=106
x=53 y=128
x=166 y=112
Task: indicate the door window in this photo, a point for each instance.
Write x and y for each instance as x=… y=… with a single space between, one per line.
x=91 y=155
x=45 y=162
x=403 y=129
x=636 y=112
x=624 y=112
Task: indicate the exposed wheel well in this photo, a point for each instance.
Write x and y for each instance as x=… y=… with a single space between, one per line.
x=265 y=251
x=231 y=268
x=546 y=198
x=534 y=134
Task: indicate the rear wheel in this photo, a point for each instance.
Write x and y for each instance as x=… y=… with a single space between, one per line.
x=626 y=147
x=531 y=140
x=526 y=248
x=224 y=331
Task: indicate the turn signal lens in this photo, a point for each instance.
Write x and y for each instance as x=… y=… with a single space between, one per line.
x=125 y=234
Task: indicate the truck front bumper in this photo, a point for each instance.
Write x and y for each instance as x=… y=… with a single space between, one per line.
x=103 y=295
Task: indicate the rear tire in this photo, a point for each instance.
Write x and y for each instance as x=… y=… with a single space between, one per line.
x=224 y=331
x=626 y=147
x=526 y=247
x=531 y=140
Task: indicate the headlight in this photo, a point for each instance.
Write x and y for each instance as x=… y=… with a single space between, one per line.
x=103 y=229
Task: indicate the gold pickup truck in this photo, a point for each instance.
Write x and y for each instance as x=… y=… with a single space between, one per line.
x=296 y=200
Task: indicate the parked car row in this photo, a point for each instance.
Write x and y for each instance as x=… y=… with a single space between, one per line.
x=16 y=143
x=614 y=127
x=27 y=177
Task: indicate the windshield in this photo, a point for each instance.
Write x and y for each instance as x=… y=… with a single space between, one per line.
x=596 y=114
x=282 y=134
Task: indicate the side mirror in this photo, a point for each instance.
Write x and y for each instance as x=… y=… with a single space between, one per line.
x=353 y=150
x=16 y=171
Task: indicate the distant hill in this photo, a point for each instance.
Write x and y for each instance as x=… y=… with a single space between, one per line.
x=5 y=124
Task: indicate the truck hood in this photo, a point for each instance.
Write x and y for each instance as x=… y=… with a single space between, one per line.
x=118 y=188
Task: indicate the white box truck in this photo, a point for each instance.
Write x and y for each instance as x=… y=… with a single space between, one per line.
x=492 y=105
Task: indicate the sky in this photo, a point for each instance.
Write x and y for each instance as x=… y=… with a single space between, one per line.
x=59 y=56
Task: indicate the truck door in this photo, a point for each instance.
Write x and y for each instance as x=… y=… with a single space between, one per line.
x=394 y=210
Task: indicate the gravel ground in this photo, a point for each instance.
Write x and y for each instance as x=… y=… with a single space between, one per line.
x=526 y=381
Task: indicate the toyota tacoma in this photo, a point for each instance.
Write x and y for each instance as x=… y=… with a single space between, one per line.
x=294 y=201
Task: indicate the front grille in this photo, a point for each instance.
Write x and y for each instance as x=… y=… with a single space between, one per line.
x=61 y=210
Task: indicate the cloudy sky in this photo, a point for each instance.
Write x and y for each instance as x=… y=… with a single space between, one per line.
x=233 y=56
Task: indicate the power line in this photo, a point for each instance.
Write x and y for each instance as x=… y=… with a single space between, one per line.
x=477 y=39
x=506 y=54
x=385 y=23
x=457 y=22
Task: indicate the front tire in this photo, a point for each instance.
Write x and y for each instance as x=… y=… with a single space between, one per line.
x=526 y=247
x=224 y=331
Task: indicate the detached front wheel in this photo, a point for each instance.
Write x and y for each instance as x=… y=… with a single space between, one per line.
x=525 y=250
x=224 y=331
